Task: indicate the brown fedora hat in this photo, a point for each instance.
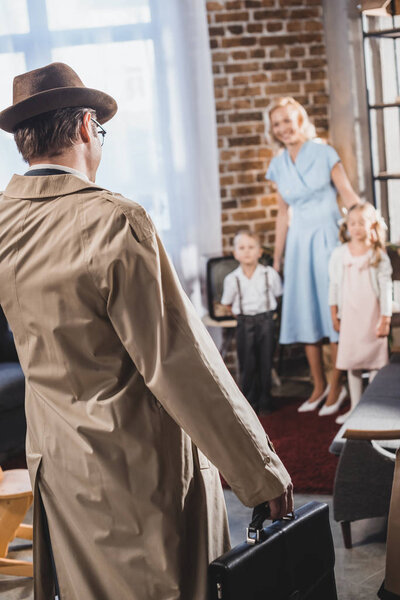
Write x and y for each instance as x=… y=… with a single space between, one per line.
x=49 y=88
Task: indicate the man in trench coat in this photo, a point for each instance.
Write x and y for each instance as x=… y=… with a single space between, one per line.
x=129 y=405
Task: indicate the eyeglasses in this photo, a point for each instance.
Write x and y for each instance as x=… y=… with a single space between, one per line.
x=100 y=131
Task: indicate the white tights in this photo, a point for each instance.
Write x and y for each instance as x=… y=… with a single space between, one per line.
x=355 y=384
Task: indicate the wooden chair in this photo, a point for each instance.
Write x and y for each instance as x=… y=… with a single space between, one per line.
x=15 y=499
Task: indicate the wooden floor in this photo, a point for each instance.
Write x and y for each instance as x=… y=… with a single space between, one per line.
x=359 y=571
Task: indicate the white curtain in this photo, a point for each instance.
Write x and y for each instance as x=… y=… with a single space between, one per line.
x=160 y=149
x=189 y=113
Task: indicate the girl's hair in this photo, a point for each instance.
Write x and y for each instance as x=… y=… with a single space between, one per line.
x=377 y=229
x=306 y=127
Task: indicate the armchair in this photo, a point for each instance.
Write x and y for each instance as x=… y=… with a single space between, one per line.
x=366 y=444
x=12 y=394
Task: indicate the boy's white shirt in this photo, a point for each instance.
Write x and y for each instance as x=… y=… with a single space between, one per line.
x=253 y=290
x=381 y=280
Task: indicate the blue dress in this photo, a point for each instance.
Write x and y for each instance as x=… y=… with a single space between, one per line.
x=312 y=235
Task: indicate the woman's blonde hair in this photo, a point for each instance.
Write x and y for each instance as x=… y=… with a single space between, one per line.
x=377 y=230
x=306 y=127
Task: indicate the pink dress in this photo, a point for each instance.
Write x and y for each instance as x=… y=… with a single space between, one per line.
x=359 y=346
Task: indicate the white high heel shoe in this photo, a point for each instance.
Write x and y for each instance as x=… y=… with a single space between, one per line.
x=332 y=408
x=309 y=406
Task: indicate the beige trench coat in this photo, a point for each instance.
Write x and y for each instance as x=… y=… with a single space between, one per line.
x=123 y=384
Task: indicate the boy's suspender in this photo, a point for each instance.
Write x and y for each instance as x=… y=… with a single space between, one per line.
x=240 y=295
x=266 y=291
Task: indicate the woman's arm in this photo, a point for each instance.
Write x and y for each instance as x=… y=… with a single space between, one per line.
x=335 y=318
x=334 y=283
x=343 y=185
x=282 y=223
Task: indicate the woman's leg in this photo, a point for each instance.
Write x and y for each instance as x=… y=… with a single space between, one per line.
x=335 y=379
x=314 y=358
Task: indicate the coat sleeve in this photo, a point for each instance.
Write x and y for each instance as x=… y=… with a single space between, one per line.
x=177 y=358
x=385 y=285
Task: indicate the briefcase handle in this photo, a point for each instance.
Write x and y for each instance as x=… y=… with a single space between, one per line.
x=261 y=512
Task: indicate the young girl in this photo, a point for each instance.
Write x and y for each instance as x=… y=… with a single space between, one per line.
x=360 y=297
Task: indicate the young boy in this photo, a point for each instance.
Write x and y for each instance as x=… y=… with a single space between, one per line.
x=250 y=291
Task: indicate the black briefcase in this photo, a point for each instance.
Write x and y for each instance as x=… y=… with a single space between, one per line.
x=291 y=559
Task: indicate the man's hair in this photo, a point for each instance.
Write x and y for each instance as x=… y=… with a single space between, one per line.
x=51 y=133
x=249 y=234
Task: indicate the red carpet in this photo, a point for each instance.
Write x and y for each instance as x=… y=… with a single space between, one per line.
x=302 y=441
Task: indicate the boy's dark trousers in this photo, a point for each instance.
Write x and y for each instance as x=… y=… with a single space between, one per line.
x=255 y=348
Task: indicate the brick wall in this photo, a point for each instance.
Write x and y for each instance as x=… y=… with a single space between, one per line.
x=261 y=49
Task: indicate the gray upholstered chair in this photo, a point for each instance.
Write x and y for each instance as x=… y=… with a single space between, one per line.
x=366 y=444
x=12 y=394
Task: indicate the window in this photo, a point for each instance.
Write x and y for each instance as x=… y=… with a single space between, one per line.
x=153 y=57
x=382 y=63
x=113 y=47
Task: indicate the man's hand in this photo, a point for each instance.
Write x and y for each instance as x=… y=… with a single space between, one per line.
x=282 y=505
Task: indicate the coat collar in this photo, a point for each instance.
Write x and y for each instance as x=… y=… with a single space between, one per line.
x=47 y=186
x=53 y=169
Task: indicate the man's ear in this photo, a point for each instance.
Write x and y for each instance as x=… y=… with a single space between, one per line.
x=85 y=127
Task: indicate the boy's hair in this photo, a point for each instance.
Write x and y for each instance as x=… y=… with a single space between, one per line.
x=378 y=234
x=306 y=127
x=249 y=234
x=50 y=133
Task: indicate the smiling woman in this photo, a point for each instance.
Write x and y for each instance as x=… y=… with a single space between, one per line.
x=308 y=175
x=288 y=120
